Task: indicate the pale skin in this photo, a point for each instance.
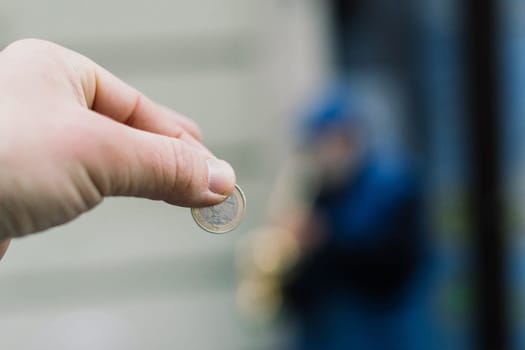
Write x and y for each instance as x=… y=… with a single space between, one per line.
x=71 y=134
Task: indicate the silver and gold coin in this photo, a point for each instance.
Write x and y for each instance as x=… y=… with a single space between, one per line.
x=223 y=217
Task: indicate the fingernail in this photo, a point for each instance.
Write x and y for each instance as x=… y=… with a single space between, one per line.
x=221 y=177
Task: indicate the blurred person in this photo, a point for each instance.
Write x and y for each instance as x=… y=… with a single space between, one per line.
x=71 y=134
x=346 y=251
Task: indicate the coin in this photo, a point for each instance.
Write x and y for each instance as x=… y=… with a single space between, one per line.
x=223 y=217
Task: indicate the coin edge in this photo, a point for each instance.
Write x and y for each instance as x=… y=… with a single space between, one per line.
x=228 y=229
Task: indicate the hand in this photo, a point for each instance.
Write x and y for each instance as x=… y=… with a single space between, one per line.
x=71 y=134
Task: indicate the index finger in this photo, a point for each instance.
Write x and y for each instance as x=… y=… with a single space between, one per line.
x=110 y=96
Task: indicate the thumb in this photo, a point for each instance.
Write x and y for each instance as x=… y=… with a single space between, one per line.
x=132 y=162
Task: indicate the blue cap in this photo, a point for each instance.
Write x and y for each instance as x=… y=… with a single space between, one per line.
x=334 y=110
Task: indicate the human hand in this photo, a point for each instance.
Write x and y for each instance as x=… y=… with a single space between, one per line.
x=71 y=134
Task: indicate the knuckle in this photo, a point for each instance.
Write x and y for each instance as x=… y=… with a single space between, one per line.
x=183 y=167
x=164 y=162
x=160 y=174
x=135 y=106
x=181 y=175
x=196 y=130
x=37 y=57
x=31 y=44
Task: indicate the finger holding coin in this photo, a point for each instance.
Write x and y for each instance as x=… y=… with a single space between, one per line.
x=223 y=217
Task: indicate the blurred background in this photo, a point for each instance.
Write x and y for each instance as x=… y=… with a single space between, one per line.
x=437 y=81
